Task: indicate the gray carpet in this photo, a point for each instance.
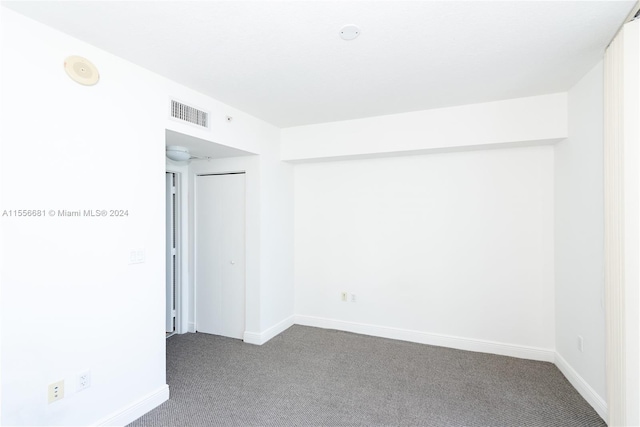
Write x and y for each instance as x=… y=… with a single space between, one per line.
x=309 y=376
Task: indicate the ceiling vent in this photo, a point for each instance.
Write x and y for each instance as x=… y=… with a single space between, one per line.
x=189 y=114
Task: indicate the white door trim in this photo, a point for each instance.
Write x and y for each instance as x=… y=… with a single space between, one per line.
x=622 y=221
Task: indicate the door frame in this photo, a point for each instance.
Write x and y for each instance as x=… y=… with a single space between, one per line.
x=622 y=226
x=181 y=272
x=250 y=165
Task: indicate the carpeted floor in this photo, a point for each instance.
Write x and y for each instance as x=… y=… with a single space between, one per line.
x=309 y=376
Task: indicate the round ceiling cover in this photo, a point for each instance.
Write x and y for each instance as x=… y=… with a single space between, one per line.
x=81 y=70
x=178 y=153
x=349 y=32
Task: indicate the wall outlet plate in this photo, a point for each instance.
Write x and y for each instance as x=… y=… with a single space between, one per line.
x=84 y=381
x=56 y=391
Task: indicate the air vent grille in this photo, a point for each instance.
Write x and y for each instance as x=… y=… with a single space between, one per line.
x=189 y=114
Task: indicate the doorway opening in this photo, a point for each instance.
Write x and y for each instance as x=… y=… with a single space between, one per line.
x=172 y=231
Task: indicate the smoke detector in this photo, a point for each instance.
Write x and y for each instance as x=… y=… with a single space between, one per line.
x=349 y=32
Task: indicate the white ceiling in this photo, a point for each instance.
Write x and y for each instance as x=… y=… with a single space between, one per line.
x=284 y=62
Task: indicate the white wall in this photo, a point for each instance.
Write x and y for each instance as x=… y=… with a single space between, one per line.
x=70 y=300
x=452 y=249
x=579 y=240
x=276 y=252
x=514 y=122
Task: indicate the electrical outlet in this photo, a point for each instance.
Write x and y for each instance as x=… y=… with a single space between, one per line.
x=84 y=381
x=137 y=256
x=580 y=343
x=56 y=391
x=344 y=296
x=352 y=298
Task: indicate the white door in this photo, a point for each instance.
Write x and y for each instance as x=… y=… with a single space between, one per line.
x=220 y=263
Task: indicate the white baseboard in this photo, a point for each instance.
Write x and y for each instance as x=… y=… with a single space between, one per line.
x=482 y=346
x=260 y=338
x=192 y=327
x=585 y=390
x=137 y=409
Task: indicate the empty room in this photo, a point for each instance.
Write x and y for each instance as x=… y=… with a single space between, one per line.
x=320 y=213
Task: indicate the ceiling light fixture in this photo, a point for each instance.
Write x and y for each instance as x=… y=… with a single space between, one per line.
x=349 y=32
x=178 y=153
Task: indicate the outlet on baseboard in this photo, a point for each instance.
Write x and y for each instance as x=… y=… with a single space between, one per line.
x=344 y=296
